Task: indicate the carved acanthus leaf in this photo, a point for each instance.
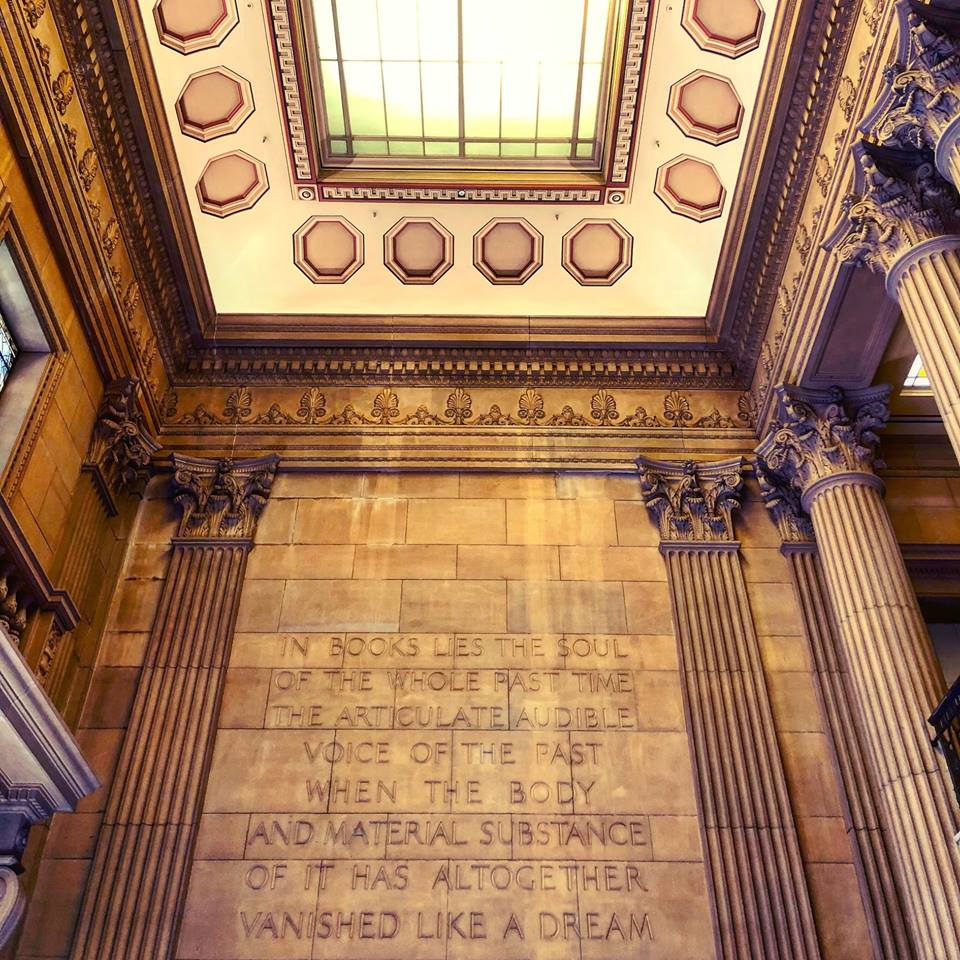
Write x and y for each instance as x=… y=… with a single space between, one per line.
x=692 y=502
x=121 y=447
x=222 y=499
x=822 y=433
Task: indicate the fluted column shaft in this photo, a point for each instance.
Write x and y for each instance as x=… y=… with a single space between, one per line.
x=926 y=284
x=870 y=841
x=752 y=851
x=897 y=682
x=141 y=866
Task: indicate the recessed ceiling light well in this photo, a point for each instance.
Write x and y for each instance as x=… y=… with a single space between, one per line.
x=463 y=83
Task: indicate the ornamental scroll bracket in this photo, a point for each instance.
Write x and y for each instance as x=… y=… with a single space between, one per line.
x=692 y=502
x=222 y=499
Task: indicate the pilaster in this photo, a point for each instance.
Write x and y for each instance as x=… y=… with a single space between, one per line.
x=869 y=838
x=156 y=797
x=754 y=868
x=117 y=465
x=825 y=447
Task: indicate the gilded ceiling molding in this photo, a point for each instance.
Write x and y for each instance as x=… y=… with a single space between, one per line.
x=121 y=448
x=693 y=502
x=221 y=499
x=823 y=435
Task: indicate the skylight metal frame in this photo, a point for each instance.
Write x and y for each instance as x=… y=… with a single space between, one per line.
x=611 y=69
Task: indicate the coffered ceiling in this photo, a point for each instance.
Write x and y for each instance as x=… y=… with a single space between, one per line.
x=516 y=239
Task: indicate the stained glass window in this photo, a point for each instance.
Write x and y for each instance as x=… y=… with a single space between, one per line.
x=464 y=81
x=8 y=351
x=917 y=378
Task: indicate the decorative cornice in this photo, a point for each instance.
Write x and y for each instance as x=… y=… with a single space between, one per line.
x=221 y=499
x=895 y=208
x=821 y=434
x=121 y=448
x=692 y=503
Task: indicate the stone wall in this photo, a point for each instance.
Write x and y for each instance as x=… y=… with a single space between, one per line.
x=440 y=556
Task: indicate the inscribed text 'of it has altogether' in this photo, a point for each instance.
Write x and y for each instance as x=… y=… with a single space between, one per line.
x=448 y=797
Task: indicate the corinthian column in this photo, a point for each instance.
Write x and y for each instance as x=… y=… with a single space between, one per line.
x=824 y=448
x=141 y=865
x=920 y=108
x=760 y=897
x=905 y=225
x=869 y=838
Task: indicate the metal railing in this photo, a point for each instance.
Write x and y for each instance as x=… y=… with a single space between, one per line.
x=945 y=720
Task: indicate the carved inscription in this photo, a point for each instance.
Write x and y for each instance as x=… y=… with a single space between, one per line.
x=449 y=797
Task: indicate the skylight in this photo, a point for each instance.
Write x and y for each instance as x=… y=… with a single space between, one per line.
x=917 y=378
x=464 y=82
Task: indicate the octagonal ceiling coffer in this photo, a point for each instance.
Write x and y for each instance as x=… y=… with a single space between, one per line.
x=508 y=250
x=214 y=103
x=191 y=25
x=728 y=27
x=418 y=250
x=597 y=253
x=692 y=188
x=706 y=107
x=328 y=249
x=230 y=183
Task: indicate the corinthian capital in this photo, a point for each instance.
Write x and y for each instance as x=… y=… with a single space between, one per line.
x=692 y=502
x=222 y=499
x=820 y=434
x=922 y=96
x=783 y=500
x=893 y=210
x=121 y=448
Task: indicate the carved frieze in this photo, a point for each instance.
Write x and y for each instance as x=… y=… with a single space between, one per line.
x=693 y=502
x=819 y=434
x=222 y=498
x=121 y=448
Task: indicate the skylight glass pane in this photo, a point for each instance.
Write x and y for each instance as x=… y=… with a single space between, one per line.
x=517 y=79
x=917 y=378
